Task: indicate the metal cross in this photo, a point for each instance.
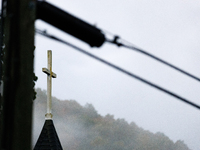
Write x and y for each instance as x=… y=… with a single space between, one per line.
x=50 y=75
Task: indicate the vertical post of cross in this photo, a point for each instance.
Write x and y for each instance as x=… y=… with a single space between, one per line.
x=50 y=75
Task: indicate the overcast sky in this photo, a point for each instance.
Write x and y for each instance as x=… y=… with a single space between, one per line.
x=168 y=29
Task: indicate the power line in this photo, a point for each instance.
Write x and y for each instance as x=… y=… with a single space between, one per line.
x=115 y=41
x=118 y=68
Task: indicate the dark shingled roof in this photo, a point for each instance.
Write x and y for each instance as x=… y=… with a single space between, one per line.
x=48 y=139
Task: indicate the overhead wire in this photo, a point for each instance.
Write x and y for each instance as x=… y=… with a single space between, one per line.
x=130 y=46
x=44 y=33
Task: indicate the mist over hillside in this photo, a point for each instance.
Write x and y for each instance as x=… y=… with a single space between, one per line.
x=82 y=128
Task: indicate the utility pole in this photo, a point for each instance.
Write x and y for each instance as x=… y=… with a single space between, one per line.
x=1 y=61
x=19 y=18
x=18 y=27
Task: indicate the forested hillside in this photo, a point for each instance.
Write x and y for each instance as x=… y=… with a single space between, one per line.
x=82 y=128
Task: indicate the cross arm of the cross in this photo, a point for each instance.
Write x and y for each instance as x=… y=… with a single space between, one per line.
x=48 y=72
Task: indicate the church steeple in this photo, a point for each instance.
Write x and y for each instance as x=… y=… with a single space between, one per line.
x=48 y=139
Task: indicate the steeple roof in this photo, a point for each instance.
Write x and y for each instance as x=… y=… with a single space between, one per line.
x=48 y=139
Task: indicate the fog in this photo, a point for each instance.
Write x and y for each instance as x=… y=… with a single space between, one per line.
x=168 y=29
x=81 y=127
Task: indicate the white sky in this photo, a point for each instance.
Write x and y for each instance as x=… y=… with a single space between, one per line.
x=168 y=29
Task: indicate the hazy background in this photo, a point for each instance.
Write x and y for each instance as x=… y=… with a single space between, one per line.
x=168 y=29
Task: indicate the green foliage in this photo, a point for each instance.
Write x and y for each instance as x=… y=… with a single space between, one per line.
x=35 y=78
x=82 y=128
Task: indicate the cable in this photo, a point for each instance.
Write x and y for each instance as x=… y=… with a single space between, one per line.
x=118 y=68
x=115 y=41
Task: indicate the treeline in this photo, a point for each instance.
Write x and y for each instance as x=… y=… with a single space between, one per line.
x=82 y=128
